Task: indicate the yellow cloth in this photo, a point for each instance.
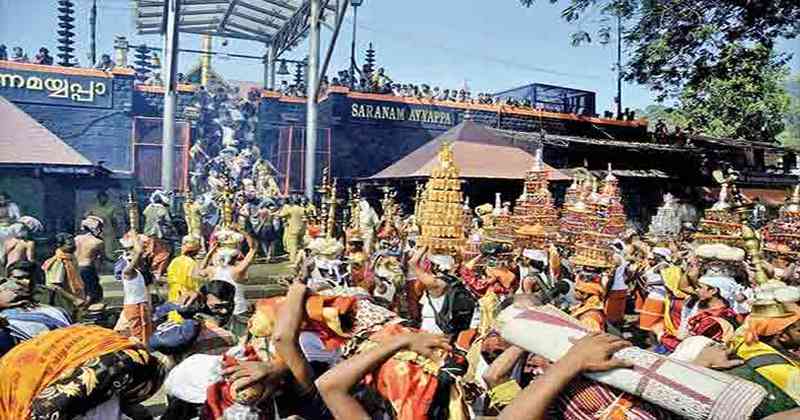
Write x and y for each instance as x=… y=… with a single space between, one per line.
x=175 y=317
x=784 y=376
x=502 y=395
x=179 y=277
x=33 y=365
x=672 y=280
x=672 y=276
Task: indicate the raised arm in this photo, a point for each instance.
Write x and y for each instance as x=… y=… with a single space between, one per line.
x=244 y=264
x=130 y=269
x=335 y=385
x=287 y=333
x=592 y=353
x=29 y=250
x=200 y=269
x=498 y=372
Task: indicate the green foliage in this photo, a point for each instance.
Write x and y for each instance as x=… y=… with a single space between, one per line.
x=676 y=42
x=748 y=102
x=671 y=116
x=716 y=57
x=791 y=134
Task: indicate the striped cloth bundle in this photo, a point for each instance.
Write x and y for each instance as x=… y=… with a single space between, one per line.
x=688 y=390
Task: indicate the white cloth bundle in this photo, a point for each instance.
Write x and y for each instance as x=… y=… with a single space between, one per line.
x=691 y=391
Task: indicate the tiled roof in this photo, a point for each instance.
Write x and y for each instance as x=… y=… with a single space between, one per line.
x=478 y=153
x=23 y=141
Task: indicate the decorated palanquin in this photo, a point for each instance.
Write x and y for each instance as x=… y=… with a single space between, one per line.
x=719 y=226
x=440 y=212
x=575 y=215
x=666 y=224
x=593 y=249
x=782 y=235
x=391 y=210
x=587 y=209
x=722 y=223
x=609 y=210
x=227 y=234
x=535 y=214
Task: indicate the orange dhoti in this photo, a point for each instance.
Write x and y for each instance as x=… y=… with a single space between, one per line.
x=615 y=305
x=651 y=316
x=136 y=321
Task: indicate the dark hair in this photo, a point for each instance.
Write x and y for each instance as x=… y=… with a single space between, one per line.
x=532 y=298
x=221 y=289
x=62 y=238
x=34 y=271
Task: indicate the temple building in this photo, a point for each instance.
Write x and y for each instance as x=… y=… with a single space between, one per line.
x=112 y=120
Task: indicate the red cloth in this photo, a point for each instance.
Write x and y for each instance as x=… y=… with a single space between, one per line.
x=500 y=280
x=403 y=384
x=314 y=320
x=218 y=395
x=708 y=323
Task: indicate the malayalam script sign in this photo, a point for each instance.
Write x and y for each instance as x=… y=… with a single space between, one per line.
x=401 y=113
x=55 y=89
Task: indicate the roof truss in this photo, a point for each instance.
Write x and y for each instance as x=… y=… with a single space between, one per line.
x=280 y=23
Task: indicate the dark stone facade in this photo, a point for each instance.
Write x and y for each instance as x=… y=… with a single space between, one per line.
x=362 y=146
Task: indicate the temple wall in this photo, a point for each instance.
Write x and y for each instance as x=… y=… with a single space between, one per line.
x=369 y=132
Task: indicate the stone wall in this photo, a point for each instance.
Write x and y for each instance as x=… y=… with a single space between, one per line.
x=370 y=132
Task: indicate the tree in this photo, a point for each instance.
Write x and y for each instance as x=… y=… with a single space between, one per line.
x=791 y=134
x=672 y=116
x=677 y=42
x=700 y=52
x=749 y=102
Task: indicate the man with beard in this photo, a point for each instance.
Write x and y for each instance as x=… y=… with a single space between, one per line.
x=195 y=326
x=61 y=271
x=90 y=252
x=25 y=317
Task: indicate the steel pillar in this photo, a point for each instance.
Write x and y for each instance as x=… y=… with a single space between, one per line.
x=311 y=93
x=170 y=95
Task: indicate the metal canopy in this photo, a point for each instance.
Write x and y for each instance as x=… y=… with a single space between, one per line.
x=279 y=23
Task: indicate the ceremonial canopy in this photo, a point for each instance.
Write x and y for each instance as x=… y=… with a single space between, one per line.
x=478 y=151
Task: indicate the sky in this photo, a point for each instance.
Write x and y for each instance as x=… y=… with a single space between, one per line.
x=491 y=45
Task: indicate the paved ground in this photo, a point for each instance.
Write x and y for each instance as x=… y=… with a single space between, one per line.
x=262 y=283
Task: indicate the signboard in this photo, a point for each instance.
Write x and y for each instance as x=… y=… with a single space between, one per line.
x=55 y=89
x=401 y=112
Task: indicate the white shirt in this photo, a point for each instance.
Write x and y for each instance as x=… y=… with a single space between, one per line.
x=134 y=290
x=619 y=277
x=429 y=313
x=240 y=304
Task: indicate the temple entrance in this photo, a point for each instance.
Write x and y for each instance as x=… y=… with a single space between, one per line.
x=147 y=140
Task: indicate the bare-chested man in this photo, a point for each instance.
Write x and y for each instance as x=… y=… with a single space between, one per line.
x=90 y=252
x=21 y=246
